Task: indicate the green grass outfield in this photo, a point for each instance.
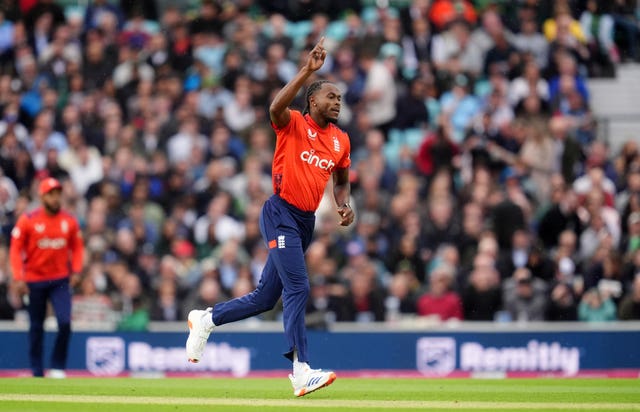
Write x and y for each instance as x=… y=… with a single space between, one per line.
x=347 y=394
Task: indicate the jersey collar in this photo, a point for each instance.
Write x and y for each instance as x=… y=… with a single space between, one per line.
x=313 y=123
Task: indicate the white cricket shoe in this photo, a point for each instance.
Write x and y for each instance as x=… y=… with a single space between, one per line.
x=311 y=380
x=56 y=374
x=199 y=330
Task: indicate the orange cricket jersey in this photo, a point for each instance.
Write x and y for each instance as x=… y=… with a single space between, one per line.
x=45 y=247
x=304 y=158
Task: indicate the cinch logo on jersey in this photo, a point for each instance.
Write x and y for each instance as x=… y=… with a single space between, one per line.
x=309 y=157
x=55 y=243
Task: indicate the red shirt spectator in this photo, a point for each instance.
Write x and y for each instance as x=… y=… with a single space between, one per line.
x=440 y=300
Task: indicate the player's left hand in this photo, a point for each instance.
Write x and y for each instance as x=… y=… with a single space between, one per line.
x=74 y=279
x=346 y=215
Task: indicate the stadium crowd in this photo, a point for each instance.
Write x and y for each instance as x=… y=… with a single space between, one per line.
x=482 y=189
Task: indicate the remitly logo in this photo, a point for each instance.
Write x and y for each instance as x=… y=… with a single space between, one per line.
x=536 y=356
x=309 y=157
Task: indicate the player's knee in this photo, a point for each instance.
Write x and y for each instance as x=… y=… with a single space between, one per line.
x=301 y=289
x=269 y=304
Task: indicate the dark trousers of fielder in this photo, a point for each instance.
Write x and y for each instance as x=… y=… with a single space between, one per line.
x=287 y=232
x=58 y=292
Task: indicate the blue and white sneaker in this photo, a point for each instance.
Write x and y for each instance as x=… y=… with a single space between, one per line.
x=199 y=329
x=311 y=380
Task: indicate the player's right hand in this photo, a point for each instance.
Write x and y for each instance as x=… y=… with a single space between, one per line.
x=20 y=287
x=317 y=56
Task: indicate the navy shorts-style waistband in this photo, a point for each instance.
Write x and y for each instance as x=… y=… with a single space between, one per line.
x=292 y=208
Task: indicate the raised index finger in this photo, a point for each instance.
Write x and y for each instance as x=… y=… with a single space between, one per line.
x=320 y=42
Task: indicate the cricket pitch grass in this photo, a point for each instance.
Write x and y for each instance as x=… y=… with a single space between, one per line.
x=346 y=394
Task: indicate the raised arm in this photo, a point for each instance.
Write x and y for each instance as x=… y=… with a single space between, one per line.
x=279 y=109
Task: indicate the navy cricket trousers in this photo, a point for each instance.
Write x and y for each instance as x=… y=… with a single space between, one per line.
x=287 y=231
x=59 y=293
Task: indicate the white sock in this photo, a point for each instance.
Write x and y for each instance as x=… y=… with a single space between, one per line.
x=208 y=321
x=299 y=367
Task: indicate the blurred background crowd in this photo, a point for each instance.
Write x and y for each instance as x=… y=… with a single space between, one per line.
x=482 y=189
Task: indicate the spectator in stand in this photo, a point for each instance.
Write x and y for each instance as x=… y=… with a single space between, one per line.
x=411 y=108
x=605 y=274
x=365 y=300
x=627 y=166
x=630 y=242
x=460 y=107
x=629 y=308
x=380 y=91
x=240 y=114
x=9 y=300
x=537 y=157
x=598 y=26
x=405 y=254
x=599 y=173
x=530 y=82
x=603 y=224
x=444 y=12
x=633 y=203
x=631 y=268
x=443 y=226
x=562 y=304
x=567 y=78
x=524 y=297
x=482 y=296
x=505 y=218
x=416 y=47
x=560 y=216
x=401 y=300
x=437 y=151
x=90 y=306
x=531 y=41
x=502 y=58
x=566 y=288
x=565 y=35
x=525 y=254
x=40 y=8
x=596 y=308
x=416 y=10
x=452 y=53
x=625 y=19
x=95 y=11
x=441 y=301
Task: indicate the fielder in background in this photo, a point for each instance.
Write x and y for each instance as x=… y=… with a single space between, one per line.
x=310 y=149
x=46 y=260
